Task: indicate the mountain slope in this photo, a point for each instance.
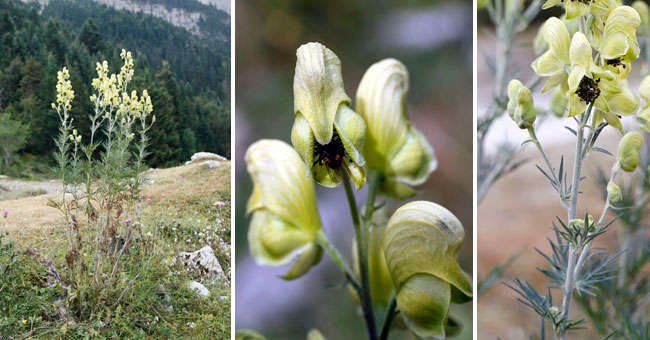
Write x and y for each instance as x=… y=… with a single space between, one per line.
x=209 y=18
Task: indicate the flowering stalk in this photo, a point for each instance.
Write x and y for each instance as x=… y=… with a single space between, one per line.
x=596 y=91
x=110 y=210
x=361 y=234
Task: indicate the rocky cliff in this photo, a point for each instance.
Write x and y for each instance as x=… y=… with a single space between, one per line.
x=176 y=16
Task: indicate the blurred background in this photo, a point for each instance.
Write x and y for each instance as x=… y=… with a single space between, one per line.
x=516 y=215
x=434 y=40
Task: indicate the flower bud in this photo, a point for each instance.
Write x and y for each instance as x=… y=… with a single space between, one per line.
x=577 y=224
x=619 y=36
x=520 y=105
x=393 y=146
x=327 y=134
x=628 y=151
x=573 y=8
x=421 y=246
x=285 y=219
x=614 y=192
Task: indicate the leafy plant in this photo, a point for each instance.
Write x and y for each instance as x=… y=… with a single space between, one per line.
x=591 y=89
x=103 y=189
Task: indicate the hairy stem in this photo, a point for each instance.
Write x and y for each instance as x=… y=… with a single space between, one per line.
x=569 y=284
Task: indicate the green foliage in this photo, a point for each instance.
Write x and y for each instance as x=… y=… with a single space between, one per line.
x=25 y=301
x=13 y=136
x=141 y=315
x=91 y=38
x=192 y=104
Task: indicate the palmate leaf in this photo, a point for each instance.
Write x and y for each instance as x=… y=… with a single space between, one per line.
x=530 y=297
x=559 y=183
x=599 y=267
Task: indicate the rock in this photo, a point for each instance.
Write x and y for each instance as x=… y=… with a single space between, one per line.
x=3 y=178
x=211 y=164
x=204 y=261
x=206 y=156
x=198 y=288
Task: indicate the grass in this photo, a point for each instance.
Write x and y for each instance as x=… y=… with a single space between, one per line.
x=181 y=216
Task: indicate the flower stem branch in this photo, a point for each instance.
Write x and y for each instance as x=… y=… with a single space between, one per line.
x=362 y=248
x=339 y=260
x=533 y=137
x=388 y=318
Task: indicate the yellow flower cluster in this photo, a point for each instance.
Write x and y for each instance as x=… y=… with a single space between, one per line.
x=576 y=75
x=64 y=92
x=106 y=86
x=111 y=93
x=126 y=72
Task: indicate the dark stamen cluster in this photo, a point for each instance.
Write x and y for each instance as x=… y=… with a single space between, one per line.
x=615 y=62
x=330 y=154
x=586 y=2
x=588 y=89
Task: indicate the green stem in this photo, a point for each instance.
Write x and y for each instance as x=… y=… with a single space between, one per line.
x=366 y=303
x=533 y=136
x=339 y=260
x=388 y=318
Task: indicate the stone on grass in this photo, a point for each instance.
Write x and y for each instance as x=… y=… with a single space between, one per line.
x=204 y=261
x=198 y=289
x=211 y=164
x=200 y=156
